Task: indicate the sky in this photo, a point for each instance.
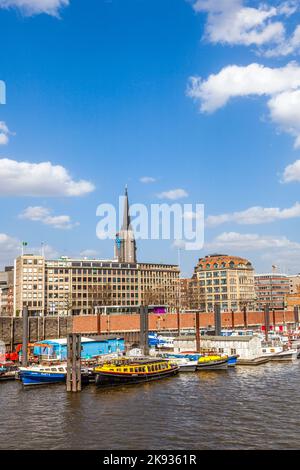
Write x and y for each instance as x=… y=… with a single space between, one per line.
x=184 y=101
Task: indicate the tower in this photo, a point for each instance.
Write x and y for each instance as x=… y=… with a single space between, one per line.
x=125 y=241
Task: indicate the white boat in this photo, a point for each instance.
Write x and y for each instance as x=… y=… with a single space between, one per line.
x=289 y=355
x=277 y=353
x=185 y=365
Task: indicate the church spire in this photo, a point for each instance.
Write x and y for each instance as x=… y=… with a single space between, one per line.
x=126 y=217
x=125 y=243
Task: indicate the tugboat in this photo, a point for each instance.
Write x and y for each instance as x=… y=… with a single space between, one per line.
x=133 y=371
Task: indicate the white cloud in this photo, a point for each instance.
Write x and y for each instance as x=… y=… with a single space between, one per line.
x=281 y=85
x=4 y=133
x=277 y=250
x=3 y=138
x=43 y=214
x=173 y=194
x=35 y=7
x=250 y=241
x=89 y=253
x=236 y=81
x=289 y=46
x=237 y=22
x=255 y=215
x=285 y=111
x=10 y=248
x=292 y=172
x=39 y=179
x=147 y=179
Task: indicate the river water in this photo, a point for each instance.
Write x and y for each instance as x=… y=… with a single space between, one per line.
x=242 y=408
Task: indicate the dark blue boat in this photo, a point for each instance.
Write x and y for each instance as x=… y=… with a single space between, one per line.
x=41 y=375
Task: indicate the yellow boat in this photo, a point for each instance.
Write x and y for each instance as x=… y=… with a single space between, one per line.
x=212 y=362
x=132 y=371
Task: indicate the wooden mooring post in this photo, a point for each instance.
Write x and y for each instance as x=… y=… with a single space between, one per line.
x=198 y=331
x=267 y=321
x=218 y=319
x=74 y=363
x=25 y=338
x=144 y=329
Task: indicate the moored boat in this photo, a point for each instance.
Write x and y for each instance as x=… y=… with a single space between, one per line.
x=185 y=364
x=40 y=375
x=212 y=363
x=232 y=360
x=7 y=372
x=130 y=371
x=44 y=375
x=289 y=355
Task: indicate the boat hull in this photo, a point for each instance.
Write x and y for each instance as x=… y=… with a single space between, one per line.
x=187 y=367
x=40 y=378
x=212 y=365
x=111 y=379
x=285 y=356
x=232 y=361
x=7 y=376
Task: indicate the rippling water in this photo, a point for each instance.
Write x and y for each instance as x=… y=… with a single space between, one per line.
x=242 y=408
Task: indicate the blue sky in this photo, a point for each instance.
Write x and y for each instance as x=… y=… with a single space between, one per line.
x=200 y=95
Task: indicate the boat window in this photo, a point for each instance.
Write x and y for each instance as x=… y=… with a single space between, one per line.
x=136 y=369
x=143 y=369
x=54 y=369
x=47 y=370
x=61 y=369
x=125 y=369
x=131 y=369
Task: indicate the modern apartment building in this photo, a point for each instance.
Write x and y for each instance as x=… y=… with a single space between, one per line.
x=294 y=282
x=227 y=281
x=80 y=286
x=6 y=292
x=272 y=289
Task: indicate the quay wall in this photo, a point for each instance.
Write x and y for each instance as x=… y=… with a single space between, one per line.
x=126 y=325
x=11 y=329
x=91 y=324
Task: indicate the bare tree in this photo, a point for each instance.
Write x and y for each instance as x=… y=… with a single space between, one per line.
x=100 y=295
